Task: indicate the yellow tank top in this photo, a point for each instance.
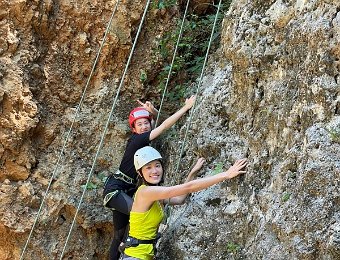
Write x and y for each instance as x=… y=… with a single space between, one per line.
x=144 y=225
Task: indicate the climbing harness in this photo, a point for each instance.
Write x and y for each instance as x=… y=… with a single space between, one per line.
x=123 y=177
x=61 y=153
x=133 y=242
x=109 y=196
x=118 y=175
x=105 y=128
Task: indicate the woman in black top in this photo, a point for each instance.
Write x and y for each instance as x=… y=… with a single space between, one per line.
x=121 y=185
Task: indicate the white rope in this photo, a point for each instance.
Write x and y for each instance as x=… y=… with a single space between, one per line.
x=172 y=62
x=198 y=87
x=192 y=111
x=61 y=153
x=105 y=129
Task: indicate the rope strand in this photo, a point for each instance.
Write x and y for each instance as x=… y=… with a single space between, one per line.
x=105 y=129
x=172 y=62
x=192 y=109
x=61 y=153
x=198 y=88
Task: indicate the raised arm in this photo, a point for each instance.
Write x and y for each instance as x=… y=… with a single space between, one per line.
x=147 y=195
x=192 y=174
x=170 y=121
x=149 y=107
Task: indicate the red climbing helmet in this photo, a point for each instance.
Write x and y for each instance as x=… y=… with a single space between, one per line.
x=137 y=113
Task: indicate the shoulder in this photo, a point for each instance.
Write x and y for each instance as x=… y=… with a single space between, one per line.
x=141 y=190
x=153 y=193
x=140 y=136
x=141 y=139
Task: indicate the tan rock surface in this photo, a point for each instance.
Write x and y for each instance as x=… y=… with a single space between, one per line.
x=270 y=93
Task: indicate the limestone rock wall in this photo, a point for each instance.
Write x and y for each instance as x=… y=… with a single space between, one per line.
x=47 y=50
x=272 y=95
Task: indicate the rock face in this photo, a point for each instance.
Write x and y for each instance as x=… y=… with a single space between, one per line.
x=270 y=93
x=47 y=50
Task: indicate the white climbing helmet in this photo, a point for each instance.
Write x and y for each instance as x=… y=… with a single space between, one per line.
x=145 y=155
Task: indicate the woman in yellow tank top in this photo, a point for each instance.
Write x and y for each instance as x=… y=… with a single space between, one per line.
x=147 y=209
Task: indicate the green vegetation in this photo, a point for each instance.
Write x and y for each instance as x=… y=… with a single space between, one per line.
x=142 y=76
x=191 y=51
x=218 y=168
x=92 y=186
x=334 y=134
x=102 y=177
x=233 y=248
x=163 y=4
x=286 y=197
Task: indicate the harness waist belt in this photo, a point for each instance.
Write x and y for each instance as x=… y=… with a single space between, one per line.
x=133 y=242
x=122 y=176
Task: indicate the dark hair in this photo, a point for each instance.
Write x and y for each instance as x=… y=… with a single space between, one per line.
x=140 y=179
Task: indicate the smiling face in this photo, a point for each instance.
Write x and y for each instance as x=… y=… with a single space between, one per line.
x=153 y=172
x=141 y=125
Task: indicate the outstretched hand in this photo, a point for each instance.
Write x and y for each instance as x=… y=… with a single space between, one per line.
x=196 y=168
x=189 y=102
x=235 y=170
x=148 y=106
x=198 y=165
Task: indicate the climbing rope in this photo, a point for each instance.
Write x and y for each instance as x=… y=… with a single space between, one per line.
x=172 y=62
x=198 y=87
x=192 y=109
x=105 y=129
x=61 y=153
x=167 y=209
